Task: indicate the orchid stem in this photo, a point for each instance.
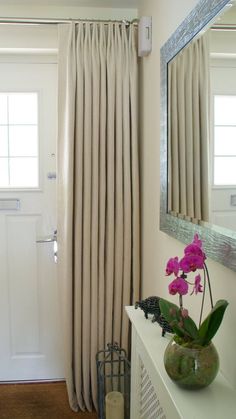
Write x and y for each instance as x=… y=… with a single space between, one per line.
x=209 y=284
x=181 y=301
x=203 y=298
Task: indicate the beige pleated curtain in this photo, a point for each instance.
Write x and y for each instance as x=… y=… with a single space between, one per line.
x=98 y=195
x=188 y=136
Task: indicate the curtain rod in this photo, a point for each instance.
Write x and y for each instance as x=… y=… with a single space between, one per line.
x=224 y=27
x=43 y=21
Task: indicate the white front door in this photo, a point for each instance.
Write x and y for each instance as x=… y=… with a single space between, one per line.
x=30 y=327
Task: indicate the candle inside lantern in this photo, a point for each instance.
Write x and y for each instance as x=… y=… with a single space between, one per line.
x=114 y=405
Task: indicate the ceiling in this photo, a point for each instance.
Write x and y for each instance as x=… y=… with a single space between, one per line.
x=83 y=3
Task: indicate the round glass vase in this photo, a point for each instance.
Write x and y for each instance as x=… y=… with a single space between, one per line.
x=191 y=367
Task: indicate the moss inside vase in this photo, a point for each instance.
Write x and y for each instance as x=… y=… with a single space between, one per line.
x=191 y=367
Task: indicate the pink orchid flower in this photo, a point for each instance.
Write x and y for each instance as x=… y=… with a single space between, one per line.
x=190 y=263
x=172 y=266
x=197 y=285
x=193 y=249
x=179 y=285
x=197 y=241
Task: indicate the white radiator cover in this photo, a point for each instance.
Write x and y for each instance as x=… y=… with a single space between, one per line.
x=150 y=405
x=155 y=396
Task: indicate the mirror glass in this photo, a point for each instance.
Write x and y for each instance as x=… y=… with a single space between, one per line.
x=202 y=126
x=198 y=130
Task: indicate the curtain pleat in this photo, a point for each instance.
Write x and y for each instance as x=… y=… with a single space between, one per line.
x=77 y=291
x=189 y=132
x=127 y=193
x=110 y=180
x=98 y=196
x=102 y=189
x=181 y=134
x=95 y=198
x=204 y=97
x=135 y=203
x=174 y=162
x=189 y=136
x=66 y=107
x=119 y=201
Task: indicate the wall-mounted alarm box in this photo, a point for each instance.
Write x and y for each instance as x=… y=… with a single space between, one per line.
x=144 y=36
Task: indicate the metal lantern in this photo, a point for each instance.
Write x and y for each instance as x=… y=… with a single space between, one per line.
x=113 y=377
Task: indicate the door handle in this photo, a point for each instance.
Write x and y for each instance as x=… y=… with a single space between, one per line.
x=48 y=239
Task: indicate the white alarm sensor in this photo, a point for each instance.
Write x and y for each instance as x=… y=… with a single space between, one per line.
x=144 y=36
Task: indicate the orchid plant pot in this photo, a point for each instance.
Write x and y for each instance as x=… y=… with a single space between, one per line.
x=191 y=367
x=191 y=359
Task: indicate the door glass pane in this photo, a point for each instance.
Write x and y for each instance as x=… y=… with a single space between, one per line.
x=4 y=182
x=224 y=171
x=3 y=141
x=19 y=139
x=24 y=172
x=225 y=141
x=225 y=110
x=3 y=108
x=23 y=108
x=23 y=140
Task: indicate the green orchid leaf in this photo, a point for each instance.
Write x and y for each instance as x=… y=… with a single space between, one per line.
x=177 y=329
x=191 y=328
x=212 y=322
x=183 y=327
x=169 y=310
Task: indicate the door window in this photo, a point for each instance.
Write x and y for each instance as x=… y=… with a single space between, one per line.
x=19 y=156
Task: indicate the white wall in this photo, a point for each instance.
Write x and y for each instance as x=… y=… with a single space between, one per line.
x=9 y=10
x=157 y=247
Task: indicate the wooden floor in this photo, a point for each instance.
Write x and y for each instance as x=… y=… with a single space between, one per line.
x=37 y=401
